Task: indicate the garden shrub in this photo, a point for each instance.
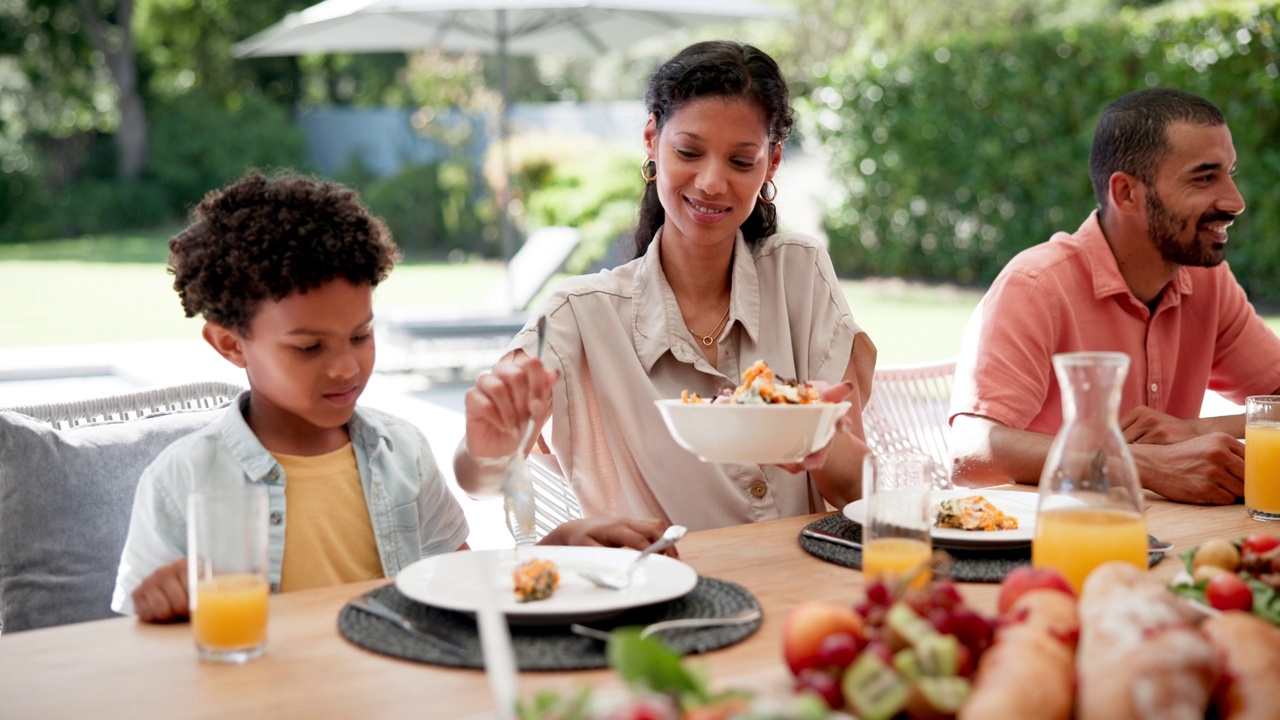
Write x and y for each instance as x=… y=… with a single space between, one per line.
x=432 y=208
x=950 y=159
x=199 y=144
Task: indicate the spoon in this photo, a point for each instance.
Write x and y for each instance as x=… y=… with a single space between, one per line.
x=517 y=488
x=623 y=580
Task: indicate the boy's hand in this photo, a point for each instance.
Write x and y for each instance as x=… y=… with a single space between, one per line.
x=501 y=403
x=610 y=532
x=162 y=597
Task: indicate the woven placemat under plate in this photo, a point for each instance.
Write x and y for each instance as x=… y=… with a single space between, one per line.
x=990 y=566
x=549 y=647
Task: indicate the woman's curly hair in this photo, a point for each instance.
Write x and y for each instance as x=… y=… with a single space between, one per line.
x=261 y=238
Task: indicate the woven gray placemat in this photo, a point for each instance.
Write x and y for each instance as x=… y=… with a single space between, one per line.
x=549 y=647
x=989 y=566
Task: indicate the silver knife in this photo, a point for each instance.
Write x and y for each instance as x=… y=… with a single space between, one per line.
x=831 y=538
x=377 y=609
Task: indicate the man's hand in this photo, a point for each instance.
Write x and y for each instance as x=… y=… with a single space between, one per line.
x=162 y=597
x=610 y=532
x=1144 y=425
x=1207 y=470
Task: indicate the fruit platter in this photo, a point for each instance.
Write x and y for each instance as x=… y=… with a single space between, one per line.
x=1234 y=575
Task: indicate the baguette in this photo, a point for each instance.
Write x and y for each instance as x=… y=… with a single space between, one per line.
x=1028 y=671
x=1250 y=649
x=1139 y=655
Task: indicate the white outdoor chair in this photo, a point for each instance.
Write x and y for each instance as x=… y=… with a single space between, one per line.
x=554 y=501
x=68 y=474
x=908 y=411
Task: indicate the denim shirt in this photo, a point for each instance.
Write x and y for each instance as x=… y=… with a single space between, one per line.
x=412 y=511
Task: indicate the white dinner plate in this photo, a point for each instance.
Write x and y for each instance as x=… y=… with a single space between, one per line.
x=435 y=581
x=1020 y=505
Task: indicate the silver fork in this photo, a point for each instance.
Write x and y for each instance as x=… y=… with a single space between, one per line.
x=623 y=581
x=517 y=488
x=373 y=606
x=742 y=617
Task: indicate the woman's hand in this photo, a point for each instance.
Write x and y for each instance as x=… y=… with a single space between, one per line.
x=162 y=597
x=610 y=532
x=501 y=403
x=817 y=459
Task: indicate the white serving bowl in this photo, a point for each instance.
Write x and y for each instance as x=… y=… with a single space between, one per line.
x=760 y=434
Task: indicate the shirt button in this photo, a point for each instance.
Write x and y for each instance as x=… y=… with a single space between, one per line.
x=276 y=518
x=274 y=474
x=1155 y=387
x=759 y=489
x=275 y=587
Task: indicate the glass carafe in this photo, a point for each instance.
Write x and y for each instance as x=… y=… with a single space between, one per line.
x=1090 y=509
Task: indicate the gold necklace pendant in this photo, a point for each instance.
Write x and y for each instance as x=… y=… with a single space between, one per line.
x=707 y=340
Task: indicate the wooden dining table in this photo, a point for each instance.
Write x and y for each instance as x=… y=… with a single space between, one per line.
x=122 y=668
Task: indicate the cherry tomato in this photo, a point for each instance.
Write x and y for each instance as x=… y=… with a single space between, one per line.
x=1261 y=542
x=1227 y=591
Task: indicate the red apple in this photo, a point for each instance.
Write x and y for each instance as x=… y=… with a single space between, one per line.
x=1025 y=578
x=808 y=624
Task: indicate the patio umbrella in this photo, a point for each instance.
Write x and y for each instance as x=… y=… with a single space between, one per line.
x=502 y=27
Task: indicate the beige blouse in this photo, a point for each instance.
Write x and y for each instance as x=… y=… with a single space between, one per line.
x=620 y=342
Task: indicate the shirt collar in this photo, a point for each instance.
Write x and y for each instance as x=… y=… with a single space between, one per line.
x=366 y=431
x=658 y=326
x=1107 y=280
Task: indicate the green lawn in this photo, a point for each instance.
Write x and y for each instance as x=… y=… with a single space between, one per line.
x=116 y=289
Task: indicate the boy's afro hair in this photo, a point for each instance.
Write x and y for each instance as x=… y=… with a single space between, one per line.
x=264 y=237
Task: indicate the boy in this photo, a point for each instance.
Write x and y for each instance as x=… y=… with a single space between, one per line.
x=283 y=271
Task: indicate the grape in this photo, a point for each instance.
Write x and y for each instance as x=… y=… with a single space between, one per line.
x=824 y=683
x=971 y=629
x=940 y=618
x=946 y=595
x=838 y=650
x=878 y=593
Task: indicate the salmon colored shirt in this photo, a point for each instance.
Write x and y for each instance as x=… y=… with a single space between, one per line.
x=620 y=342
x=1068 y=295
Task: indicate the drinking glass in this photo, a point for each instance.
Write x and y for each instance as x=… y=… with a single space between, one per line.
x=1090 y=509
x=227 y=572
x=1262 y=457
x=896 y=542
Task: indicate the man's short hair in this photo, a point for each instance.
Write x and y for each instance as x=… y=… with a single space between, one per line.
x=1132 y=136
x=261 y=238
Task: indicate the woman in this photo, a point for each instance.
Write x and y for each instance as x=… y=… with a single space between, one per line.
x=713 y=288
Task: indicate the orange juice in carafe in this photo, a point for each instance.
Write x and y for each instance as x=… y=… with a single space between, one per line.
x=1090 y=508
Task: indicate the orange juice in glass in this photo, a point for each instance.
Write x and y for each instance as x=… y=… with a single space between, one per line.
x=896 y=540
x=227 y=572
x=1074 y=541
x=892 y=558
x=1262 y=457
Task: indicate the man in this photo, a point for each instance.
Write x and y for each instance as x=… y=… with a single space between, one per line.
x=1144 y=275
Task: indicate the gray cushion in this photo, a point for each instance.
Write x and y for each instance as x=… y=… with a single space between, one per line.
x=65 y=501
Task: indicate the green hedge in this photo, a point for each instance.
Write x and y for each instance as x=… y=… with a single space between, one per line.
x=950 y=159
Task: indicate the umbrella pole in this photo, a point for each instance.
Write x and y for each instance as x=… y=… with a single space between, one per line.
x=504 y=131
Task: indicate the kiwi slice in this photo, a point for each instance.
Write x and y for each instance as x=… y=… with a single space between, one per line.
x=905 y=627
x=936 y=698
x=907 y=664
x=938 y=655
x=875 y=690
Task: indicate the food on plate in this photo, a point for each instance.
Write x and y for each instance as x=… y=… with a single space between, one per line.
x=536 y=579
x=1216 y=553
x=909 y=656
x=760 y=387
x=1029 y=669
x=662 y=688
x=972 y=512
x=1252 y=563
x=1139 y=654
x=1249 y=647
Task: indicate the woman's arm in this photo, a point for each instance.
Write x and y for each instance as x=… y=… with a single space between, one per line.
x=837 y=469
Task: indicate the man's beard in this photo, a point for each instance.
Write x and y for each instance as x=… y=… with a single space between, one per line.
x=1164 y=228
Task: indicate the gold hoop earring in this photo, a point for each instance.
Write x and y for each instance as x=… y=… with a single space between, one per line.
x=771 y=195
x=649 y=171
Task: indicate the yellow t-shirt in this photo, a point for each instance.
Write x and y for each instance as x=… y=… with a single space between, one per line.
x=328 y=536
